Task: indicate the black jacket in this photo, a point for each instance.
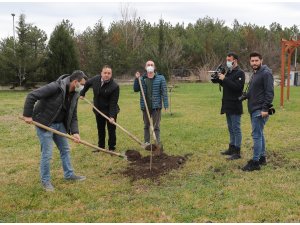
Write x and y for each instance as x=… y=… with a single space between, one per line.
x=49 y=101
x=233 y=85
x=106 y=97
x=261 y=90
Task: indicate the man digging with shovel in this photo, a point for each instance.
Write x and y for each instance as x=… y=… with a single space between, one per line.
x=153 y=88
x=55 y=105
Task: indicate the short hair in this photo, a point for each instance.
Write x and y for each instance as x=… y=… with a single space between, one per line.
x=255 y=54
x=234 y=55
x=106 y=67
x=78 y=75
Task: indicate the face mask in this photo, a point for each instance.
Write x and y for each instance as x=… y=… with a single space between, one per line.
x=79 y=89
x=150 y=69
x=229 y=64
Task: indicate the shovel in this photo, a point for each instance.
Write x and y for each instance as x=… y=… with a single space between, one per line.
x=74 y=139
x=118 y=125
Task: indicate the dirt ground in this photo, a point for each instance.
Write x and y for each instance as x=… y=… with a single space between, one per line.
x=139 y=167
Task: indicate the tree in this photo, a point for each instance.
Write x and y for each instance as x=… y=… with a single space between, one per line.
x=8 y=66
x=62 y=52
x=24 y=57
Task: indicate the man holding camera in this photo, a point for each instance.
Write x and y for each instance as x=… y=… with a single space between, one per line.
x=260 y=97
x=233 y=84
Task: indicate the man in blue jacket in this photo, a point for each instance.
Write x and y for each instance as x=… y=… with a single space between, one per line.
x=260 y=97
x=156 y=93
x=55 y=105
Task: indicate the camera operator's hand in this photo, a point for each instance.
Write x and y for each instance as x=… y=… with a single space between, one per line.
x=264 y=114
x=221 y=76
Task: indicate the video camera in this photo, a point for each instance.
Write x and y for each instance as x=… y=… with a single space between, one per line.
x=271 y=110
x=243 y=96
x=220 y=69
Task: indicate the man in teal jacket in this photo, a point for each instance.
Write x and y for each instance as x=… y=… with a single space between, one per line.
x=156 y=93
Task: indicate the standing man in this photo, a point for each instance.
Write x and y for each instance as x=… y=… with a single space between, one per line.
x=155 y=89
x=233 y=85
x=56 y=107
x=106 y=97
x=260 y=97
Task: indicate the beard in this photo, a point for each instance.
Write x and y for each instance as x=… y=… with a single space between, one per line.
x=256 y=67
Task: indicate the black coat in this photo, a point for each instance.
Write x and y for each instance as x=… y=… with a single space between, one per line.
x=106 y=97
x=49 y=101
x=233 y=85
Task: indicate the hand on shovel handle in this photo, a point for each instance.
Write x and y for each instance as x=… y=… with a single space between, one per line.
x=27 y=119
x=76 y=138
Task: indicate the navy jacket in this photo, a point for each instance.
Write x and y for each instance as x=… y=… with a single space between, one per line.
x=261 y=90
x=49 y=101
x=159 y=91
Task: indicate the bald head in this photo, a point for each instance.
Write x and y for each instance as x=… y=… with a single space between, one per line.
x=149 y=63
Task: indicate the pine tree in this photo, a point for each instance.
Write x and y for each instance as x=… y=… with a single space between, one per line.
x=62 y=56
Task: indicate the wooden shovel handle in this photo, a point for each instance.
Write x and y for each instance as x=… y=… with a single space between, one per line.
x=74 y=139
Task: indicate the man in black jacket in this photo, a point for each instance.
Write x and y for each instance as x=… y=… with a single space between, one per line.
x=233 y=85
x=55 y=105
x=106 y=97
x=260 y=97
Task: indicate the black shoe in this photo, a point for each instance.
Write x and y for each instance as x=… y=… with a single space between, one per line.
x=229 y=151
x=251 y=166
x=112 y=149
x=236 y=154
x=234 y=157
x=262 y=160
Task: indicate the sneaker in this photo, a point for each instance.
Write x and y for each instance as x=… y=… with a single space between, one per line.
x=262 y=160
x=76 y=178
x=229 y=151
x=48 y=186
x=251 y=166
x=147 y=146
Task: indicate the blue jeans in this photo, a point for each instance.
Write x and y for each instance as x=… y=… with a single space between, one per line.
x=46 y=140
x=258 y=123
x=234 y=128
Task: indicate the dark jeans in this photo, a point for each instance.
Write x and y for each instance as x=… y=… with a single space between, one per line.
x=156 y=117
x=234 y=128
x=101 y=122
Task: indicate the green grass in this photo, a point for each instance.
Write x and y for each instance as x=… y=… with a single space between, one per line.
x=207 y=188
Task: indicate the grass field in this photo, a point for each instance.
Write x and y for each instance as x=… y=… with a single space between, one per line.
x=207 y=188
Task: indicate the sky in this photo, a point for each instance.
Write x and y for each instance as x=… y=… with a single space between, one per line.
x=46 y=15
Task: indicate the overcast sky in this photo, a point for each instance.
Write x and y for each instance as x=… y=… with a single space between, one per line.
x=46 y=15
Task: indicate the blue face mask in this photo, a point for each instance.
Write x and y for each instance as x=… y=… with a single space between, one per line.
x=229 y=64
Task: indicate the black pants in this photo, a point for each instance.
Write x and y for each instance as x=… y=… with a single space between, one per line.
x=101 y=122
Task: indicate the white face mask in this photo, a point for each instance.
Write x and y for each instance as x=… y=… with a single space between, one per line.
x=150 y=69
x=79 y=89
x=229 y=64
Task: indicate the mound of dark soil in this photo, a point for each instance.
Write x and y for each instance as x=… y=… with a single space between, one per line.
x=139 y=167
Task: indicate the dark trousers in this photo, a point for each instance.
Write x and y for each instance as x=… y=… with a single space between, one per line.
x=156 y=117
x=101 y=122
